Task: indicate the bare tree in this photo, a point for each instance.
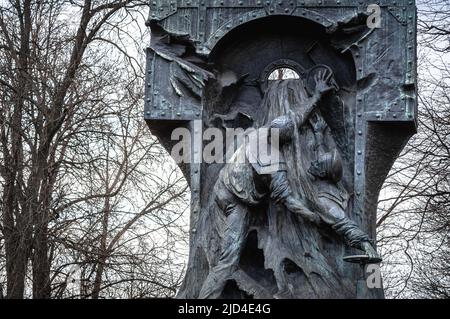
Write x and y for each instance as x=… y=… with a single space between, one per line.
x=132 y=211
x=73 y=153
x=414 y=219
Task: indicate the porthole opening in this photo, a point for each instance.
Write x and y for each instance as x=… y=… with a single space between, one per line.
x=283 y=74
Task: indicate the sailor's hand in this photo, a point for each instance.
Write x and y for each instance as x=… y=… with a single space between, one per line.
x=318 y=123
x=310 y=216
x=298 y=208
x=323 y=86
x=369 y=250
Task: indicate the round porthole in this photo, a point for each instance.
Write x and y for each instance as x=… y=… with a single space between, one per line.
x=283 y=74
x=281 y=70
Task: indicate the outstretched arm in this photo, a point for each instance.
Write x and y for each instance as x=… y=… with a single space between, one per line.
x=281 y=192
x=297 y=207
x=323 y=87
x=319 y=126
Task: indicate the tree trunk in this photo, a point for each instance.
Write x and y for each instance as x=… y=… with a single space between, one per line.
x=16 y=266
x=98 y=279
x=102 y=257
x=41 y=264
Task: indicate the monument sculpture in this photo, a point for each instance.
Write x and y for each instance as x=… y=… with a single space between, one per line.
x=289 y=229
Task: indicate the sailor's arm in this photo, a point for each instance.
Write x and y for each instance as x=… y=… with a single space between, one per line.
x=300 y=119
x=281 y=192
x=323 y=88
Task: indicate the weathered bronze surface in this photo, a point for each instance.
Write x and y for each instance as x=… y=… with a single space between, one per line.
x=209 y=63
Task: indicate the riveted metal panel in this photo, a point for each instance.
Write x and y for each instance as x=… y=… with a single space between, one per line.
x=385 y=58
x=383 y=97
x=169 y=89
x=389 y=51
